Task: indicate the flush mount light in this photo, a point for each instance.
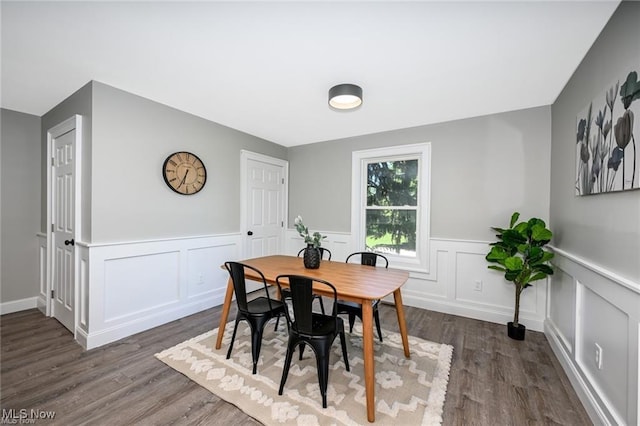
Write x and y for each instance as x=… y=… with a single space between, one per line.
x=345 y=97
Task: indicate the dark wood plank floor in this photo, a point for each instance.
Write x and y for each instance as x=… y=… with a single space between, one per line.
x=494 y=380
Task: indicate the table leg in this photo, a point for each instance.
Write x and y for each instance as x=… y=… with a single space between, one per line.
x=225 y=312
x=397 y=296
x=367 y=353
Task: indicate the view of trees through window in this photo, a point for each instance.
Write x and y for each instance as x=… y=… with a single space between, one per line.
x=392 y=207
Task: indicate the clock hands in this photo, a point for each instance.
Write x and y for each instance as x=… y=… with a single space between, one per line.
x=183 y=178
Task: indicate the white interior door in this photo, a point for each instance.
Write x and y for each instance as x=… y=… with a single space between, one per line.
x=63 y=229
x=265 y=204
x=64 y=149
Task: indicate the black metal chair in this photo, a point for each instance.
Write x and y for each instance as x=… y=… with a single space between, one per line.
x=257 y=312
x=355 y=309
x=285 y=292
x=309 y=328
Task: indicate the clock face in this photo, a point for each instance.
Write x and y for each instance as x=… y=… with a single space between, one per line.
x=184 y=172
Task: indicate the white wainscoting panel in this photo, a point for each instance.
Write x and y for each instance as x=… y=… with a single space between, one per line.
x=135 y=286
x=562 y=307
x=450 y=285
x=204 y=273
x=590 y=306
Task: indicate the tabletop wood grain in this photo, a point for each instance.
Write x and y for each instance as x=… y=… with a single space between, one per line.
x=353 y=281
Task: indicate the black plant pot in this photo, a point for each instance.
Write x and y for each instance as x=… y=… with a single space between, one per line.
x=311 y=257
x=516 y=333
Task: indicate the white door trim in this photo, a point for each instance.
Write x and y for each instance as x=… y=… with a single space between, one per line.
x=66 y=126
x=244 y=157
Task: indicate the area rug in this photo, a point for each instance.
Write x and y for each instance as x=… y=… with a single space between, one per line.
x=408 y=391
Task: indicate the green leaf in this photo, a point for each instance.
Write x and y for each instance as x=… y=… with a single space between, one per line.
x=513 y=263
x=513 y=238
x=547 y=256
x=522 y=228
x=497 y=268
x=535 y=221
x=514 y=218
x=545 y=269
x=538 y=276
x=540 y=233
x=497 y=253
x=535 y=254
x=511 y=275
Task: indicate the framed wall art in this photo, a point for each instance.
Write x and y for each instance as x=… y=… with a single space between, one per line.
x=607 y=137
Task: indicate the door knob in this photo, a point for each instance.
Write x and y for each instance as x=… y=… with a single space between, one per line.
x=249 y=233
x=69 y=242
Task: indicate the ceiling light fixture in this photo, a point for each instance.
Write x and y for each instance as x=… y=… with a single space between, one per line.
x=345 y=97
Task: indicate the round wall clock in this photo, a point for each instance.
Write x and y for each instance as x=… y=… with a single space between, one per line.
x=184 y=172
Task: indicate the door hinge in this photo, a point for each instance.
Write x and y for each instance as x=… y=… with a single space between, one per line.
x=283 y=181
x=53 y=161
x=52 y=228
x=282 y=224
x=52 y=294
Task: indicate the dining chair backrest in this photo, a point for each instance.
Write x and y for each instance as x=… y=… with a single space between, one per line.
x=369 y=258
x=237 y=273
x=323 y=251
x=301 y=289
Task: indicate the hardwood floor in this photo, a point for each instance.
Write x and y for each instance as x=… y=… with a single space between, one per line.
x=494 y=380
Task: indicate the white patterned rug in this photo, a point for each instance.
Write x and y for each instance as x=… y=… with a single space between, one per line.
x=408 y=391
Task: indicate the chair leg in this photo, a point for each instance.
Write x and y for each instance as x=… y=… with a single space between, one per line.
x=323 y=376
x=256 y=343
x=343 y=343
x=277 y=321
x=352 y=319
x=376 y=318
x=302 y=346
x=287 y=363
x=233 y=339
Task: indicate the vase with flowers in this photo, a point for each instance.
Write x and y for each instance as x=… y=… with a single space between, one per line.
x=312 y=255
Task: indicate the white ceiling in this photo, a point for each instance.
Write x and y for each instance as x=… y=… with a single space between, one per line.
x=265 y=68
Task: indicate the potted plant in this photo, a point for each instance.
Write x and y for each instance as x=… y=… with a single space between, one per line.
x=312 y=255
x=520 y=254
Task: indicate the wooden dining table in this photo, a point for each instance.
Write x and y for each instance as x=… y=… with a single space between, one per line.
x=353 y=282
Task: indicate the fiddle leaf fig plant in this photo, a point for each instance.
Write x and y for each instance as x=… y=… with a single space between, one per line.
x=519 y=253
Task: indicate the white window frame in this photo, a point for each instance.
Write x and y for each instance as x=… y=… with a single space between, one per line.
x=359 y=161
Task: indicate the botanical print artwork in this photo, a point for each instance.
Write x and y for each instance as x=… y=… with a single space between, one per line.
x=607 y=157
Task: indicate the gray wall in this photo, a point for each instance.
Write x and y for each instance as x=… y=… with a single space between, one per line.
x=132 y=136
x=20 y=206
x=483 y=169
x=603 y=229
x=79 y=103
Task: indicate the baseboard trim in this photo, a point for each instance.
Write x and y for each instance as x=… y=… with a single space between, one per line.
x=469 y=311
x=18 y=305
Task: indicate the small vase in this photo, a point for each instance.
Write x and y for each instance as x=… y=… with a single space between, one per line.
x=516 y=333
x=311 y=257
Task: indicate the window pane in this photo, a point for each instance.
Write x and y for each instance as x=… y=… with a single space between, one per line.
x=392 y=232
x=392 y=183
